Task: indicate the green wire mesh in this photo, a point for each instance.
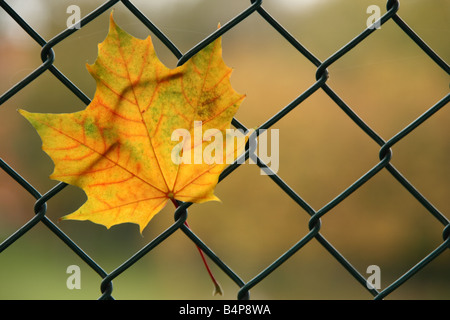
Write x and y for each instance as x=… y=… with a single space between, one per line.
x=180 y=215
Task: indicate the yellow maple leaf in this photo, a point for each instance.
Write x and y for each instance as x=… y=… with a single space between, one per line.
x=119 y=150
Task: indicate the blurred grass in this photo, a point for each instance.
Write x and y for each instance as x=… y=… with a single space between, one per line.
x=387 y=80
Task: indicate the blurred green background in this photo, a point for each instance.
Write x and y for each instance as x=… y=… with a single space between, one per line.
x=386 y=79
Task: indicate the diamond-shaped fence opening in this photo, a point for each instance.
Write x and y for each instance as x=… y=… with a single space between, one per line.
x=341 y=207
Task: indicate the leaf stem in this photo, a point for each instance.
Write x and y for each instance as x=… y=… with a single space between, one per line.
x=217 y=287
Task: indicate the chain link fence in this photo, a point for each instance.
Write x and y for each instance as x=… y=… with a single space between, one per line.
x=392 y=14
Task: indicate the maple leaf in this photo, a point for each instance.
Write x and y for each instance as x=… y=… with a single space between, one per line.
x=119 y=149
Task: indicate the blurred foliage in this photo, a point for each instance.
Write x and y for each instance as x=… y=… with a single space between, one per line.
x=386 y=79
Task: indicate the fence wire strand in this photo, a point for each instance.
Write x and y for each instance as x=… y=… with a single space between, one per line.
x=180 y=214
